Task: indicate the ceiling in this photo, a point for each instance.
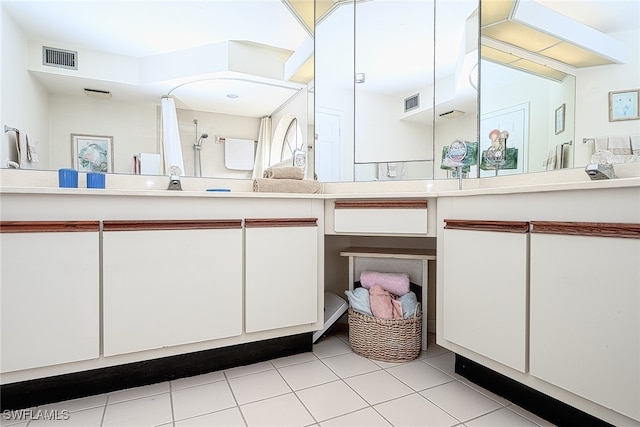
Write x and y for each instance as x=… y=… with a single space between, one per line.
x=143 y=28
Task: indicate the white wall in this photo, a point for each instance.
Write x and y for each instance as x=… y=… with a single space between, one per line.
x=134 y=128
x=24 y=100
x=592 y=98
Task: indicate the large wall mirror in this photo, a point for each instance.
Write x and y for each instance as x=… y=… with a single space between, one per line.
x=387 y=72
x=549 y=85
x=227 y=64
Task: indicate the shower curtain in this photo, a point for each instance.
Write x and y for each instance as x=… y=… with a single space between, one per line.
x=171 y=137
x=264 y=148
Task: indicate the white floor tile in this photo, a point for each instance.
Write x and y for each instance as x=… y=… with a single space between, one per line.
x=7 y=419
x=262 y=385
x=330 y=346
x=419 y=375
x=197 y=380
x=350 y=364
x=433 y=350
x=227 y=418
x=367 y=417
x=138 y=392
x=144 y=412
x=445 y=362
x=489 y=394
x=414 y=410
x=309 y=374
x=293 y=360
x=379 y=386
x=89 y=402
x=202 y=399
x=330 y=400
x=281 y=411
x=531 y=417
x=500 y=418
x=85 y=418
x=461 y=401
x=248 y=369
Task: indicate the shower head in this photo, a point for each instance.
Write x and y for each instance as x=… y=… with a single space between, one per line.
x=203 y=136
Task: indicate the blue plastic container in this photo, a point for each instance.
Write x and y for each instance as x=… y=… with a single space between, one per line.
x=67 y=178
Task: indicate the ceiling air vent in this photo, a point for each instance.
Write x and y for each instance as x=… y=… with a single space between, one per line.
x=411 y=102
x=60 y=58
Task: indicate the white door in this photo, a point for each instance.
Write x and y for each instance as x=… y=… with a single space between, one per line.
x=327 y=146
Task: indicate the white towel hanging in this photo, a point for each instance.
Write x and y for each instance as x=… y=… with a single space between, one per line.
x=239 y=154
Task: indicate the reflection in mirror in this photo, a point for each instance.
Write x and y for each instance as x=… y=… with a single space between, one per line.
x=375 y=87
x=365 y=75
x=225 y=68
x=548 y=87
x=456 y=80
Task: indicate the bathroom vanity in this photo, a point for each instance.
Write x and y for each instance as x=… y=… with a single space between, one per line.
x=535 y=282
x=94 y=281
x=543 y=287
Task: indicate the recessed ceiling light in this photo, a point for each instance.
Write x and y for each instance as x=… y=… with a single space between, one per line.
x=232 y=96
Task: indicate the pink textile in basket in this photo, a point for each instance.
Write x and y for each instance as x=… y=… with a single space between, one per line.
x=383 y=304
x=396 y=283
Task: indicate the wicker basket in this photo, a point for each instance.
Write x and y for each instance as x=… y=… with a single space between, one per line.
x=388 y=340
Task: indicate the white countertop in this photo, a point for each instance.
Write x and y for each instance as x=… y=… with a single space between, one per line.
x=45 y=183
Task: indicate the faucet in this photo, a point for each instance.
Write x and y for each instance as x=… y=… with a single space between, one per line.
x=174 y=179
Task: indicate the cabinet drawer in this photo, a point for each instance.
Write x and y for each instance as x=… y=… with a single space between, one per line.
x=381 y=216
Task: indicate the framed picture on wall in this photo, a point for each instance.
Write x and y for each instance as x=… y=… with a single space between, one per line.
x=623 y=105
x=92 y=153
x=560 y=119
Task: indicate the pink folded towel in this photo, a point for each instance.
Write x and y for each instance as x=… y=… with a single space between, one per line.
x=396 y=283
x=383 y=304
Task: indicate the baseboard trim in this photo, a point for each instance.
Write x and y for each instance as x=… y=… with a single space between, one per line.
x=544 y=406
x=27 y=394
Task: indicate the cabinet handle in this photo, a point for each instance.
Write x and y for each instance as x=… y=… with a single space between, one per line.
x=482 y=225
x=48 y=226
x=187 y=224
x=598 y=229
x=381 y=204
x=280 y=222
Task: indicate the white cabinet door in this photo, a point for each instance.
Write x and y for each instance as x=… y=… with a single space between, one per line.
x=281 y=273
x=585 y=317
x=50 y=285
x=170 y=283
x=485 y=289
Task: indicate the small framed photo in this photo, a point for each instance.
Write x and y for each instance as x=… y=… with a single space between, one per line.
x=560 y=119
x=92 y=153
x=623 y=105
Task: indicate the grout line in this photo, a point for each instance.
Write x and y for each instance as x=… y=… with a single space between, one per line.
x=173 y=414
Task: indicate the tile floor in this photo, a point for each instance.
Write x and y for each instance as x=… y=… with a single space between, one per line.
x=329 y=387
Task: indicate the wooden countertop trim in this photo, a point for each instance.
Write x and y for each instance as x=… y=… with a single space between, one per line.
x=381 y=204
x=280 y=222
x=597 y=229
x=481 y=225
x=48 y=226
x=187 y=224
